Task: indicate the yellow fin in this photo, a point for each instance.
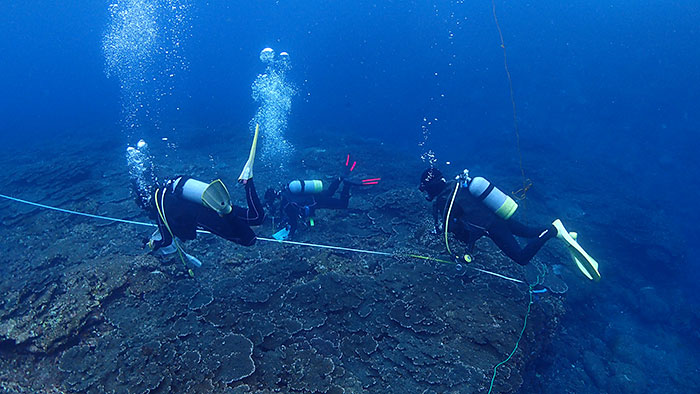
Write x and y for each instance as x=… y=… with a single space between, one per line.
x=584 y=262
x=247 y=172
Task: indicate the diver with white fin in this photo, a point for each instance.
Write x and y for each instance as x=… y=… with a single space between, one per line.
x=184 y=205
x=471 y=208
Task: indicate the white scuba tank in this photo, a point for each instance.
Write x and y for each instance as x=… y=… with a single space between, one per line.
x=192 y=190
x=500 y=203
x=212 y=195
x=314 y=186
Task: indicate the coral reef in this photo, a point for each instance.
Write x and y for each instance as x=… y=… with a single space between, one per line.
x=93 y=313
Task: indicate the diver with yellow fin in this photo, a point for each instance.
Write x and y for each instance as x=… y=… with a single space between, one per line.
x=184 y=205
x=585 y=263
x=471 y=208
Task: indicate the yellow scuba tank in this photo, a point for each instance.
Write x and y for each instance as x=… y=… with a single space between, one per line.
x=493 y=198
x=305 y=187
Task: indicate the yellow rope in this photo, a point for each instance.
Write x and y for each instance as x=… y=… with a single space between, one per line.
x=521 y=193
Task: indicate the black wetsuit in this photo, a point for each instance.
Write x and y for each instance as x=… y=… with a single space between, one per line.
x=470 y=220
x=301 y=206
x=186 y=217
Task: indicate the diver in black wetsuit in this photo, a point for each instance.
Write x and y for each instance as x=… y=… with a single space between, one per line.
x=181 y=217
x=299 y=200
x=471 y=219
x=184 y=205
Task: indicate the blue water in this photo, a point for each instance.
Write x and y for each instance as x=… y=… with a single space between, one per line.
x=606 y=93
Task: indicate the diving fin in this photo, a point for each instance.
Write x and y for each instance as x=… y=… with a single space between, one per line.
x=580 y=266
x=216 y=197
x=247 y=172
x=585 y=263
x=282 y=234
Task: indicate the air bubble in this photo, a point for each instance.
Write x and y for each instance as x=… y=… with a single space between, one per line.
x=274 y=93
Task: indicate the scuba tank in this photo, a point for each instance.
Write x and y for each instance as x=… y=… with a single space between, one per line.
x=302 y=189
x=492 y=197
x=305 y=187
x=212 y=195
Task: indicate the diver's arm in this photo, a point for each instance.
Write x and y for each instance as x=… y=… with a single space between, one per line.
x=436 y=217
x=460 y=229
x=165 y=238
x=154 y=212
x=332 y=188
x=292 y=214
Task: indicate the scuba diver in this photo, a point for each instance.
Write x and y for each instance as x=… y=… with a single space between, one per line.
x=471 y=208
x=300 y=199
x=184 y=205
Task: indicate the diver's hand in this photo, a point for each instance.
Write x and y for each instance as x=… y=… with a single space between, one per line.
x=150 y=245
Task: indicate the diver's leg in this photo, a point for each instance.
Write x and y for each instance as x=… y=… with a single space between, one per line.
x=345 y=195
x=502 y=236
x=534 y=246
x=540 y=235
x=291 y=211
x=228 y=227
x=254 y=214
x=332 y=188
x=328 y=202
x=239 y=233
x=243 y=235
x=505 y=240
x=521 y=230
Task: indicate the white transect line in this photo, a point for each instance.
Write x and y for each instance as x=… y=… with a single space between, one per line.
x=36 y=204
x=207 y=232
x=326 y=246
x=498 y=275
x=199 y=231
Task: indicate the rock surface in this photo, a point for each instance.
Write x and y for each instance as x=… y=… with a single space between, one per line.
x=87 y=311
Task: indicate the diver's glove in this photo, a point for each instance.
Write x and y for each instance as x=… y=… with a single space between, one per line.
x=154 y=242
